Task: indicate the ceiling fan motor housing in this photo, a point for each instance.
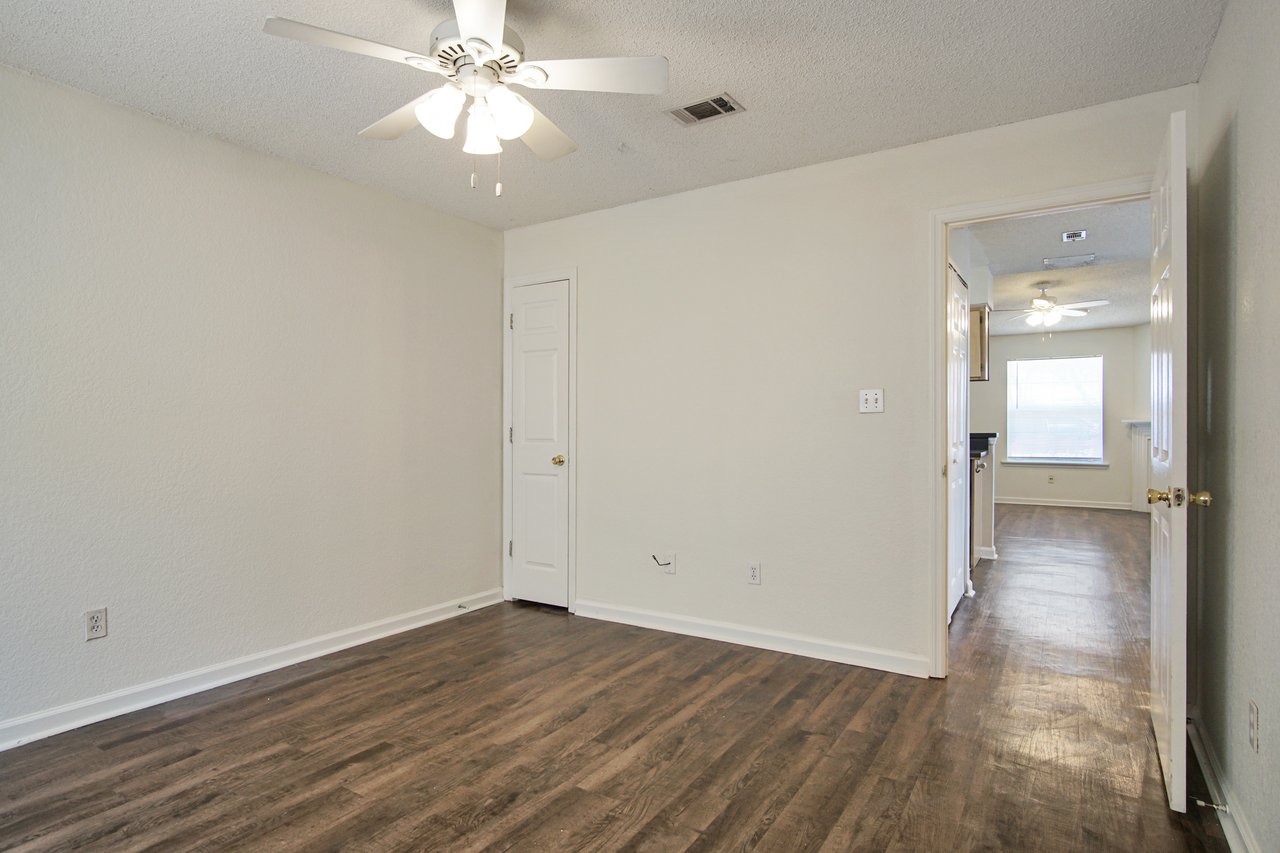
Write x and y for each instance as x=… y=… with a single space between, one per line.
x=450 y=52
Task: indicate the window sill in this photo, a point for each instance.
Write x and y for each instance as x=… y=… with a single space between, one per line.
x=1057 y=463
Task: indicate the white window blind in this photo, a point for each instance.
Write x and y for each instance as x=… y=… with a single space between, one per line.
x=1055 y=408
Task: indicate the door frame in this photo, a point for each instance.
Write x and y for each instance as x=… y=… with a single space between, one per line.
x=509 y=285
x=1127 y=189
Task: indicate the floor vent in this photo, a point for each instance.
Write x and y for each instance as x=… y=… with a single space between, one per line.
x=713 y=107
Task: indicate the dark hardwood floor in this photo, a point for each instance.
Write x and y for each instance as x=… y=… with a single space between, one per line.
x=523 y=728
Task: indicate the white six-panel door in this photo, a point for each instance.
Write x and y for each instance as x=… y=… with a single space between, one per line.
x=957 y=439
x=1168 y=461
x=539 y=443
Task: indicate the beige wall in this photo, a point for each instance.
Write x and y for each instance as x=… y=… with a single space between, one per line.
x=1239 y=216
x=1108 y=487
x=723 y=337
x=242 y=404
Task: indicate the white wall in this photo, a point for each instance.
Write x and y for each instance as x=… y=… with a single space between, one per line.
x=1239 y=216
x=242 y=404
x=1108 y=487
x=969 y=258
x=723 y=336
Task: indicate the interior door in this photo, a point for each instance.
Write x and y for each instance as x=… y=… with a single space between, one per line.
x=539 y=438
x=1168 y=461
x=957 y=439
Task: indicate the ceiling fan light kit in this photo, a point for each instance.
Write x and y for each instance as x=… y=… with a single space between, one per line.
x=482 y=58
x=439 y=109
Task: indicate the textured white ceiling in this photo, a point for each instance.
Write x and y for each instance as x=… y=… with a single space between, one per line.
x=1119 y=234
x=820 y=80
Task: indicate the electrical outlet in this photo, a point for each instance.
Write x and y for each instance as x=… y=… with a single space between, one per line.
x=753 y=573
x=1253 y=726
x=95 y=624
x=871 y=400
x=1051 y=480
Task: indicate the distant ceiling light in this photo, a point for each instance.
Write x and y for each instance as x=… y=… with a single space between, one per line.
x=1069 y=261
x=1074 y=236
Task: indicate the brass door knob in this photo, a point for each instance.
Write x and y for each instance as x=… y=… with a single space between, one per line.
x=1200 y=498
x=557 y=460
x=1155 y=497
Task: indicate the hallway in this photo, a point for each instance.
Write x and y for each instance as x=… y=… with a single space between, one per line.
x=1049 y=676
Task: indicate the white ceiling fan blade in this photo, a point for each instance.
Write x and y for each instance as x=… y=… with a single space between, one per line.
x=481 y=19
x=545 y=139
x=1072 y=312
x=286 y=28
x=634 y=75
x=1019 y=315
x=1097 y=303
x=396 y=124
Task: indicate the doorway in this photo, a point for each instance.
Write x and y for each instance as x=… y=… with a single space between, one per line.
x=539 y=440
x=1054 y=407
x=949 y=501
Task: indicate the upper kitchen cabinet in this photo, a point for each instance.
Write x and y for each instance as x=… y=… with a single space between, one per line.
x=979 y=338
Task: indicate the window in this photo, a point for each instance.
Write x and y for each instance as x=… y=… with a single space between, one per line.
x=1055 y=409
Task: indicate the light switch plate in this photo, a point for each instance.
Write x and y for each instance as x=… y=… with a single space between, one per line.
x=871 y=400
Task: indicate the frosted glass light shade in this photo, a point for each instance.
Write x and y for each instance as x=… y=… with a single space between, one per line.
x=1035 y=319
x=512 y=115
x=482 y=137
x=1052 y=318
x=438 y=111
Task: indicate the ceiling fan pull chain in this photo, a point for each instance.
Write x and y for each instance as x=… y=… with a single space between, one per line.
x=497 y=187
x=475 y=180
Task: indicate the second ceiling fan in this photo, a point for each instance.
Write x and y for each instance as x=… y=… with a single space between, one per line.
x=481 y=59
x=1045 y=310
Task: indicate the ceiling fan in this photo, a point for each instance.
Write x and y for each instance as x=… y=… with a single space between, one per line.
x=481 y=58
x=1045 y=310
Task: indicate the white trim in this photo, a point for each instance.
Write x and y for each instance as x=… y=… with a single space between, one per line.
x=1063 y=199
x=41 y=724
x=1060 y=502
x=985 y=553
x=1057 y=463
x=778 y=641
x=509 y=284
x=1240 y=837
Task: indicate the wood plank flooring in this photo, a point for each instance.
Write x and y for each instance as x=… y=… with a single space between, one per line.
x=522 y=728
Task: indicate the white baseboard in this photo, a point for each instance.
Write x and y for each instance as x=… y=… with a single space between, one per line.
x=812 y=647
x=985 y=553
x=41 y=724
x=1234 y=826
x=1068 y=503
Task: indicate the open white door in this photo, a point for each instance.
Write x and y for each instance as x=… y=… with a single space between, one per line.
x=539 y=328
x=957 y=439
x=1169 y=461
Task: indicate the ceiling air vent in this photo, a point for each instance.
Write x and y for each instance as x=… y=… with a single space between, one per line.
x=713 y=107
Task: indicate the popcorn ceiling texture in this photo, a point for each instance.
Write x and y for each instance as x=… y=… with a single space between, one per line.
x=821 y=80
x=244 y=404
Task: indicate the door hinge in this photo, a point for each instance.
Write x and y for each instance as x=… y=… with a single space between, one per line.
x=511 y=435
x=511 y=321
x=510 y=548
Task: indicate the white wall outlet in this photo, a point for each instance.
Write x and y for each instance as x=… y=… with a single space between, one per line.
x=666 y=562
x=753 y=573
x=95 y=624
x=871 y=400
x=1253 y=726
